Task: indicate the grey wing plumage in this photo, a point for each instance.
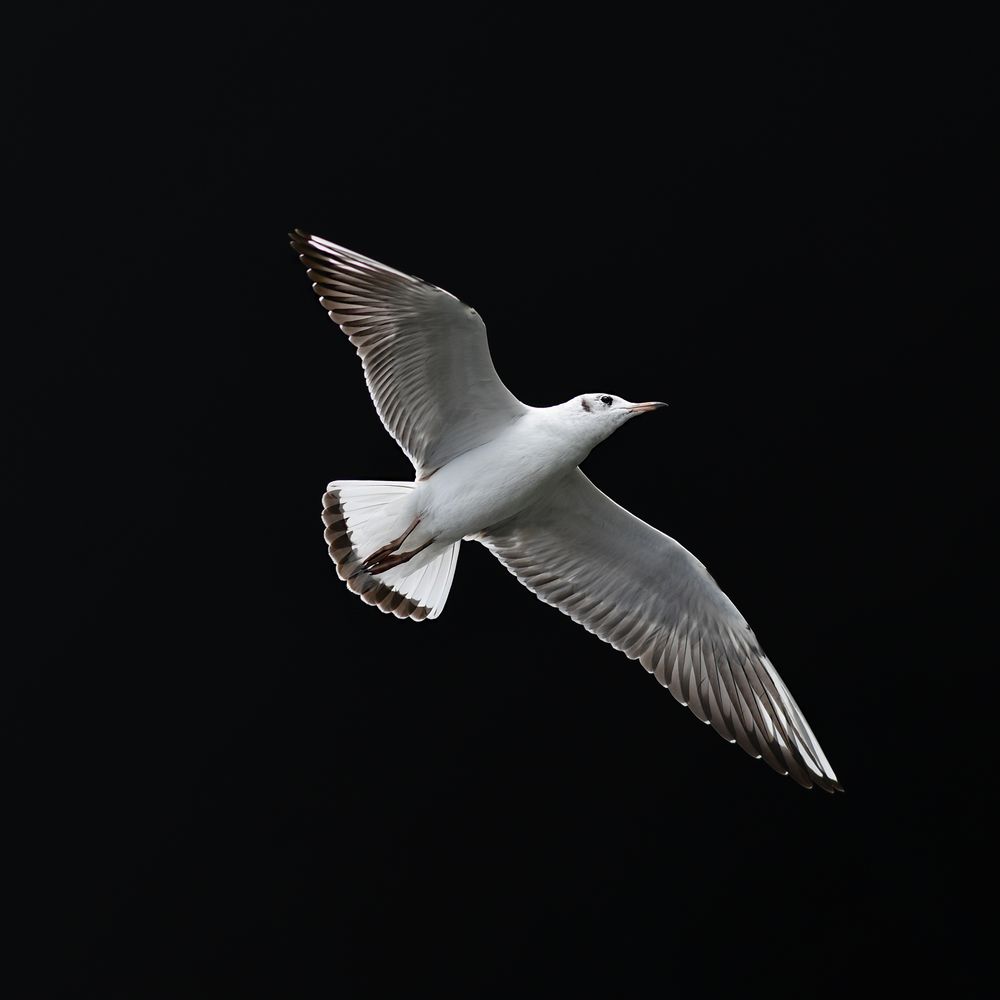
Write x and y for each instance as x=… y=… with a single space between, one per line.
x=425 y=354
x=646 y=595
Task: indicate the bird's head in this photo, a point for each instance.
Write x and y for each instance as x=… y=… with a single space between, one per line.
x=597 y=415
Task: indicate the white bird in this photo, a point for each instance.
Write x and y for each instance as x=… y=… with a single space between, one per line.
x=490 y=468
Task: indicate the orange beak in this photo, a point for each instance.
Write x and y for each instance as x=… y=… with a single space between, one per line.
x=645 y=407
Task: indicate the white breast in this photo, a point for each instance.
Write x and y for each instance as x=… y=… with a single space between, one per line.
x=493 y=482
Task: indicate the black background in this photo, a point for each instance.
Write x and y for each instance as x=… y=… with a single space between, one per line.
x=228 y=776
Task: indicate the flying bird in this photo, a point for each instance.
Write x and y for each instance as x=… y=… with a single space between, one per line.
x=492 y=469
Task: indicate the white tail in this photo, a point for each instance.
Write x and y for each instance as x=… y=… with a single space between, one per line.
x=361 y=515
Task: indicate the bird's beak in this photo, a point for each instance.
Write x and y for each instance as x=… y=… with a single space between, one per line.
x=644 y=407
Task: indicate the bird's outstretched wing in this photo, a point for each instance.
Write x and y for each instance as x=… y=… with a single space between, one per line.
x=425 y=354
x=647 y=596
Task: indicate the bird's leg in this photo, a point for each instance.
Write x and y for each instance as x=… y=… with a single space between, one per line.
x=391 y=561
x=389 y=547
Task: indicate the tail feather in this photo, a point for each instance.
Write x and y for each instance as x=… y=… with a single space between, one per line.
x=357 y=522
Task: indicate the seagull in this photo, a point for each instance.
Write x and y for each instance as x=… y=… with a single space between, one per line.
x=491 y=469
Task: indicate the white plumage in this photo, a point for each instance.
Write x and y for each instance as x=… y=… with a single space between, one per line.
x=490 y=468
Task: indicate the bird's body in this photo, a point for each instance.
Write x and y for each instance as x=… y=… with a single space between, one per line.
x=490 y=468
x=489 y=484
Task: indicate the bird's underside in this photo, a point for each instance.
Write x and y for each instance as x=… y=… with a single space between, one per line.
x=625 y=581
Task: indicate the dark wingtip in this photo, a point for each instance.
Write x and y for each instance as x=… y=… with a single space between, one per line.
x=299 y=240
x=830 y=785
x=809 y=779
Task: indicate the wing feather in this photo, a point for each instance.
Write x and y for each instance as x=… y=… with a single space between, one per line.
x=425 y=354
x=646 y=595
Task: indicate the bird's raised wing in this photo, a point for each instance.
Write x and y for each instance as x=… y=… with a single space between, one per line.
x=425 y=355
x=647 y=596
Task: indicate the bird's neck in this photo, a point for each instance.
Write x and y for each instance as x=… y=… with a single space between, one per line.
x=569 y=439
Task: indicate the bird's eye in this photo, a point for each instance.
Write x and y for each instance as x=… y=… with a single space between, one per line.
x=606 y=400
